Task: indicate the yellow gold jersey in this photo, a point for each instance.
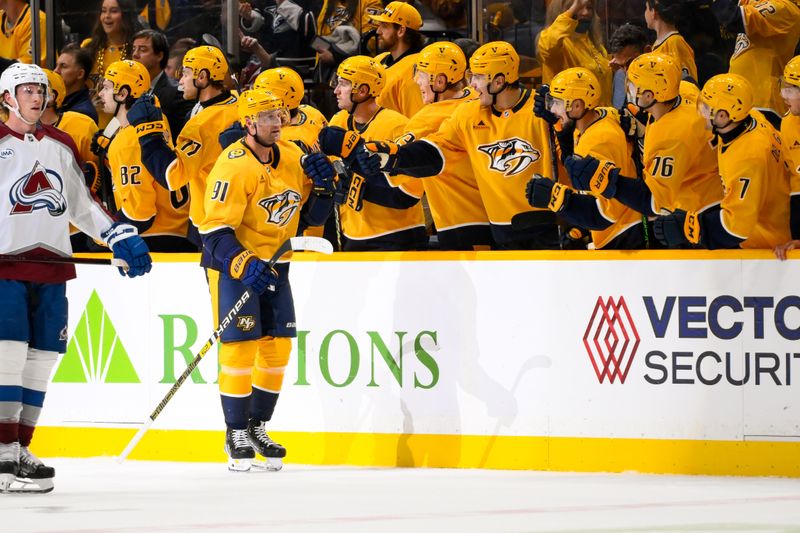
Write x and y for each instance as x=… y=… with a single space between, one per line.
x=401 y=92
x=675 y=46
x=680 y=167
x=15 y=40
x=772 y=29
x=453 y=195
x=790 y=139
x=604 y=139
x=137 y=194
x=82 y=129
x=560 y=48
x=756 y=202
x=197 y=150
x=306 y=130
x=262 y=202
x=376 y=220
x=504 y=148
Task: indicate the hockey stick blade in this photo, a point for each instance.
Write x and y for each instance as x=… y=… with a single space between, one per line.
x=312 y=244
x=64 y=260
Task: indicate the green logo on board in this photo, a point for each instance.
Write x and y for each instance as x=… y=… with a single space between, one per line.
x=95 y=353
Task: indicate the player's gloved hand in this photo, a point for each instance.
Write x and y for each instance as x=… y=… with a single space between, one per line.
x=590 y=174
x=544 y=193
x=575 y=238
x=317 y=167
x=367 y=163
x=99 y=143
x=252 y=271
x=633 y=120
x=144 y=110
x=229 y=136
x=125 y=242
x=678 y=229
x=91 y=174
x=540 y=105
x=339 y=142
x=386 y=151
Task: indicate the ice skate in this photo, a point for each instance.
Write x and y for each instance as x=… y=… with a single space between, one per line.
x=32 y=475
x=271 y=451
x=240 y=451
x=9 y=464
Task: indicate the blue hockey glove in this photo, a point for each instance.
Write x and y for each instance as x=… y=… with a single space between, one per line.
x=125 y=242
x=321 y=172
x=252 y=271
x=544 y=193
x=234 y=132
x=99 y=143
x=540 y=105
x=678 y=229
x=144 y=110
x=386 y=152
x=596 y=175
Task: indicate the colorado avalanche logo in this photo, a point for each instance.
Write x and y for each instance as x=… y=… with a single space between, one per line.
x=40 y=189
x=281 y=207
x=510 y=156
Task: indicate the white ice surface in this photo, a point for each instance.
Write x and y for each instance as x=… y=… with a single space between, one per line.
x=99 y=495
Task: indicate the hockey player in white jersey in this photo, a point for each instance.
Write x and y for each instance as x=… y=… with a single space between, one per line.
x=42 y=190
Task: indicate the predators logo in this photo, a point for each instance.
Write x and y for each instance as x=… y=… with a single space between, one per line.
x=510 y=156
x=281 y=207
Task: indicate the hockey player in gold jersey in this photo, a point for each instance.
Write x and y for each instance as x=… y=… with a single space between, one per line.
x=504 y=142
x=161 y=216
x=77 y=125
x=197 y=147
x=754 y=212
x=400 y=41
x=767 y=33
x=662 y=17
x=790 y=142
x=390 y=216
x=679 y=166
x=454 y=199
x=575 y=95
x=256 y=190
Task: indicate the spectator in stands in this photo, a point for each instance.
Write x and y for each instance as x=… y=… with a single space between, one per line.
x=572 y=38
x=150 y=48
x=15 y=31
x=74 y=65
x=662 y=17
x=768 y=32
x=111 y=40
x=400 y=40
x=626 y=44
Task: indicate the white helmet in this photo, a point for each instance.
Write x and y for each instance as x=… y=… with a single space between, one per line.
x=19 y=74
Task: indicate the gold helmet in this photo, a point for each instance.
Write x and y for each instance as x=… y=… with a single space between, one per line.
x=791 y=73
x=576 y=84
x=57 y=88
x=727 y=92
x=400 y=13
x=208 y=58
x=256 y=101
x=283 y=82
x=130 y=74
x=442 y=58
x=363 y=70
x=495 y=58
x=657 y=73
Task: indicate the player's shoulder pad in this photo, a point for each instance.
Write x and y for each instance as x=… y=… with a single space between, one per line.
x=339 y=119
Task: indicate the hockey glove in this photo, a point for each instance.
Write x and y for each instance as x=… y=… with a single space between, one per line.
x=251 y=271
x=678 y=229
x=99 y=143
x=575 y=238
x=321 y=171
x=144 y=110
x=596 y=175
x=234 y=132
x=386 y=151
x=349 y=145
x=540 y=105
x=544 y=193
x=126 y=244
x=91 y=174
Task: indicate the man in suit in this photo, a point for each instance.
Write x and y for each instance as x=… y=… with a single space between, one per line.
x=151 y=49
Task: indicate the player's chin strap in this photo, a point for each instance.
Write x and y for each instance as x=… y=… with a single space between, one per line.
x=15 y=110
x=255 y=137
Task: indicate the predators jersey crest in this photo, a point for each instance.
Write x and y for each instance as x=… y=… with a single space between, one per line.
x=510 y=156
x=281 y=207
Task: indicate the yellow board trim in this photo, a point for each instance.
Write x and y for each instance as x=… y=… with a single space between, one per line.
x=570 y=454
x=497 y=255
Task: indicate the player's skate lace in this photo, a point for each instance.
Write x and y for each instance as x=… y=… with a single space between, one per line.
x=240 y=438
x=259 y=432
x=32 y=466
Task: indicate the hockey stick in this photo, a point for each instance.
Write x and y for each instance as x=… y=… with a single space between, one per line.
x=69 y=260
x=314 y=244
